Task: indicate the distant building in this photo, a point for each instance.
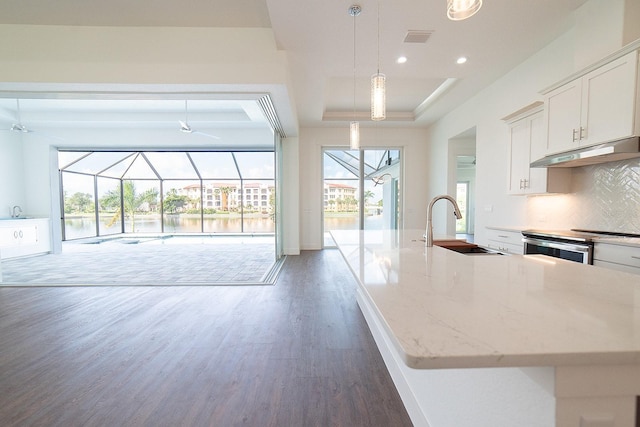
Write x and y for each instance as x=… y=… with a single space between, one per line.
x=229 y=196
x=339 y=197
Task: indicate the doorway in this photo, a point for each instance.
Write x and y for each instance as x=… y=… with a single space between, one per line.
x=462 y=182
x=361 y=190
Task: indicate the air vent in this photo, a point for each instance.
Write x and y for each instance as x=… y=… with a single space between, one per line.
x=417 y=36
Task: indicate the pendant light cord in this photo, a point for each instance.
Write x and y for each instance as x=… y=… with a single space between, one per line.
x=354 y=66
x=378 y=36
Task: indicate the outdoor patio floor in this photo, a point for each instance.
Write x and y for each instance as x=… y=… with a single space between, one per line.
x=172 y=260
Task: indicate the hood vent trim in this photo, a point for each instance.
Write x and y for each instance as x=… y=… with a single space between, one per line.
x=623 y=149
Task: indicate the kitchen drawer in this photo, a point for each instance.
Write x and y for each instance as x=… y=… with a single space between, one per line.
x=618 y=254
x=618 y=267
x=505 y=241
x=506 y=247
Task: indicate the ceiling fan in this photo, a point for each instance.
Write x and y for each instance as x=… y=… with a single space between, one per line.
x=19 y=126
x=186 y=128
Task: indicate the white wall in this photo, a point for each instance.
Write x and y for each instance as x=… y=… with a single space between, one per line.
x=602 y=19
x=12 y=188
x=412 y=142
x=291 y=197
x=140 y=55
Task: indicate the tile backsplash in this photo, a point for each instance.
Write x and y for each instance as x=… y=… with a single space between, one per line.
x=603 y=197
x=608 y=195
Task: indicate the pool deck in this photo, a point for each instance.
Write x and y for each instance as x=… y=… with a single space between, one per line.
x=149 y=260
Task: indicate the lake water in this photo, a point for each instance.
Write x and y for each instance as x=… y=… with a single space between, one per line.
x=81 y=227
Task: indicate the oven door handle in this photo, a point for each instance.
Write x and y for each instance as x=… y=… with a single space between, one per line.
x=556 y=245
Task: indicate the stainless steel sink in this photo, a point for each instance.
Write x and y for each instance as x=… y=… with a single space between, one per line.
x=478 y=250
x=465 y=248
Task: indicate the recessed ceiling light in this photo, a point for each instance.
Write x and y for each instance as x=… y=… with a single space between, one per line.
x=401 y=60
x=461 y=60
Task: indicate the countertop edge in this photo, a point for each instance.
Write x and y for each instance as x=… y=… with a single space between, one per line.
x=507 y=228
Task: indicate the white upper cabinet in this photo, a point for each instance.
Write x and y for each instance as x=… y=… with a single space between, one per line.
x=519 y=145
x=594 y=108
x=562 y=115
x=526 y=144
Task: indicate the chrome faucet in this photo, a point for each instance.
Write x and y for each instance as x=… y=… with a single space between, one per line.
x=456 y=212
x=13 y=212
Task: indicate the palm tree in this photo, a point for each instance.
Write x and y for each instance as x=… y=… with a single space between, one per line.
x=351 y=202
x=368 y=194
x=225 y=197
x=131 y=202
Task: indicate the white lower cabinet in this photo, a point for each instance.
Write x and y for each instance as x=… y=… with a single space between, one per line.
x=617 y=257
x=505 y=241
x=23 y=237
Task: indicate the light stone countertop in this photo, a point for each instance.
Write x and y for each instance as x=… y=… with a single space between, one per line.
x=624 y=241
x=443 y=309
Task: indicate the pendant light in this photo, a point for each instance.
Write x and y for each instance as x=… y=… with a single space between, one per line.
x=457 y=10
x=354 y=128
x=378 y=86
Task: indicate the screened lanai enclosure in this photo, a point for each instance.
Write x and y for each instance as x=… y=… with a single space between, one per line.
x=114 y=192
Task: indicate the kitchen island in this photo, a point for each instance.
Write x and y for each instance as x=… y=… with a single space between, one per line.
x=499 y=339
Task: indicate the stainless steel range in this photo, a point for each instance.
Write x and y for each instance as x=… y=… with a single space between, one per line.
x=573 y=245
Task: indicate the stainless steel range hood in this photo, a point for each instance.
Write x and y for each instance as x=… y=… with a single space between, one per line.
x=608 y=152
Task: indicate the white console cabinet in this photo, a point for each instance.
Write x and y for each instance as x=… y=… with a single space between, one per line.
x=21 y=237
x=596 y=107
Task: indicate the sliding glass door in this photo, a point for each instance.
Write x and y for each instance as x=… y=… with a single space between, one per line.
x=361 y=190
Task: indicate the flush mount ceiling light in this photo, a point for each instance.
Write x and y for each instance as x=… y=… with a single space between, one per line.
x=354 y=128
x=461 y=60
x=378 y=86
x=457 y=10
x=401 y=59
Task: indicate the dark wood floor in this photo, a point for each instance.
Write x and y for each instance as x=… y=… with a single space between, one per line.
x=295 y=354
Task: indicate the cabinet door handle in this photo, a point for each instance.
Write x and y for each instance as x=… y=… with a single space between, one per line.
x=635 y=257
x=15 y=234
x=526 y=183
x=21 y=234
x=504 y=237
x=575 y=135
x=583 y=133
